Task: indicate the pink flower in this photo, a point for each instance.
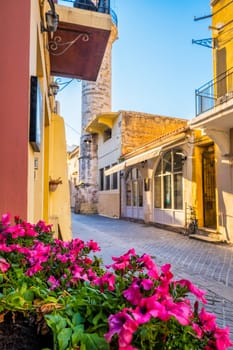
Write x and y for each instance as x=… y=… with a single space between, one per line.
x=5 y=219
x=63 y=258
x=166 y=274
x=197 y=329
x=150 y=307
x=43 y=227
x=93 y=246
x=193 y=289
x=76 y=245
x=4 y=265
x=222 y=337
x=207 y=320
x=150 y=265
x=124 y=325
x=180 y=310
x=39 y=254
x=134 y=293
x=123 y=262
x=5 y=248
x=53 y=282
x=107 y=280
x=34 y=269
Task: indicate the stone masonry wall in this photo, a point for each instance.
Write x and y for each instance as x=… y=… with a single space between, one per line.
x=141 y=128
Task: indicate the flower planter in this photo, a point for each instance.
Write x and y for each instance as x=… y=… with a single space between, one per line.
x=52 y=187
x=18 y=332
x=53 y=183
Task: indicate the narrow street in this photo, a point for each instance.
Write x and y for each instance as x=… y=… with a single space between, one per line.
x=209 y=266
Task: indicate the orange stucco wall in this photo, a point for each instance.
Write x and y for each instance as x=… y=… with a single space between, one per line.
x=14 y=107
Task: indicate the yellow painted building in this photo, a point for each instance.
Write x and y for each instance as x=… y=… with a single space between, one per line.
x=213 y=151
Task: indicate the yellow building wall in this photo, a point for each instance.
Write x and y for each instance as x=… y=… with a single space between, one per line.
x=222 y=31
x=109 y=203
x=59 y=201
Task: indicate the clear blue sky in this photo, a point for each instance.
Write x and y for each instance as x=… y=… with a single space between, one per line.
x=155 y=66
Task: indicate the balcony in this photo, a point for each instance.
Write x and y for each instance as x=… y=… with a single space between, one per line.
x=215 y=92
x=77 y=47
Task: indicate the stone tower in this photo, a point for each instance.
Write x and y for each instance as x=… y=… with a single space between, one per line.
x=96 y=98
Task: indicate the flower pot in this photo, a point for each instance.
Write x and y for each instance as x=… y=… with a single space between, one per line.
x=52 y=187
x=18 y=332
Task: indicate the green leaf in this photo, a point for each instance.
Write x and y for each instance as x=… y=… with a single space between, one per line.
x=98 y=317
x=1 y=277
x=77 y=319
x=77 y=334
x=55 y=322
x=94 y=342
x=29 y=295
x=64 y=338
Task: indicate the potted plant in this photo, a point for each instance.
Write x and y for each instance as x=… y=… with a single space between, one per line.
x=71 y=301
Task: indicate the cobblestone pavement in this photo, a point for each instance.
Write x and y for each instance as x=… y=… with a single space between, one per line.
x=208 y=265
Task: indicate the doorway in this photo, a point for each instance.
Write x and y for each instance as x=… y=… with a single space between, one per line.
x=209 y=188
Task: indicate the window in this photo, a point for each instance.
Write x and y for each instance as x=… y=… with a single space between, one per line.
x=134 y=188
x=114 y=181
x=168 y=181
x=128 y=194
x=107 y=134
x=107 y=180
x=101 y=179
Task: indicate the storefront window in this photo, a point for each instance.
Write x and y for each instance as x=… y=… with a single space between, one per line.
x=167 y=197
x=168 y=181
x=157 y=197
x=135 y=193
x=134 y=188
x=128 y=194
x=178 y=191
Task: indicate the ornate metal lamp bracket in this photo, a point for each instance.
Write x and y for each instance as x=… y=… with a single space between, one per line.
x=57 y=47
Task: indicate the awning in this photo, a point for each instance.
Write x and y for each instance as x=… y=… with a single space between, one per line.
x=115 y=168
x=143 y=156
x=134 y=160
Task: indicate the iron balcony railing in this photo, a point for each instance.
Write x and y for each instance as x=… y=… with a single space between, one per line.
x=215 y=92
x=102 y=6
